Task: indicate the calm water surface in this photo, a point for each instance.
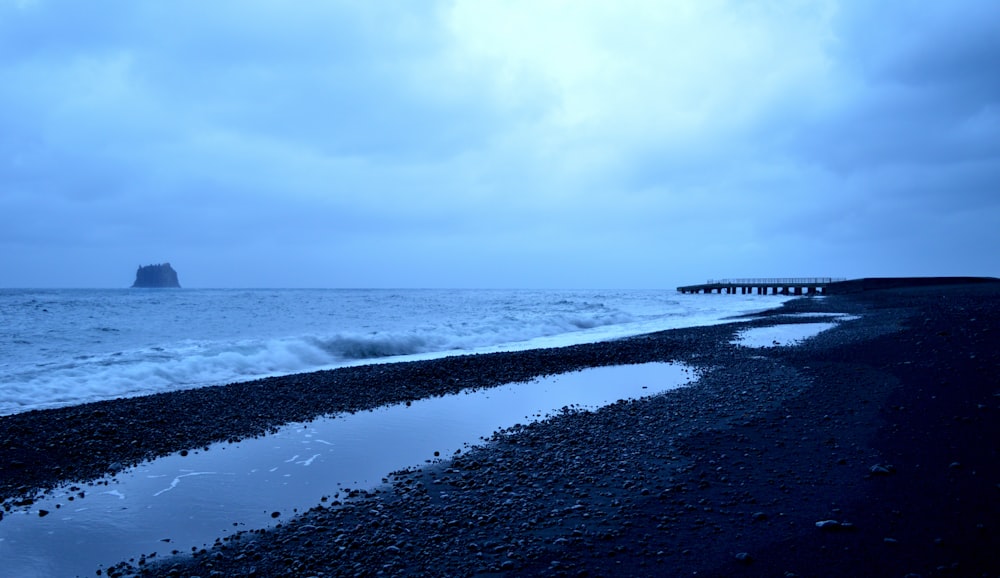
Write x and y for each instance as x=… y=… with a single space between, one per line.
x=184 y=502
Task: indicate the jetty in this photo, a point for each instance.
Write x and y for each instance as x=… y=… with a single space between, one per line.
x=764 y=286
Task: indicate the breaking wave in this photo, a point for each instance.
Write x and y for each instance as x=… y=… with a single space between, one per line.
x=203 y=338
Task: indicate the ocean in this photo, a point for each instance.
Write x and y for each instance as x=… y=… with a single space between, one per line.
x=63 y=347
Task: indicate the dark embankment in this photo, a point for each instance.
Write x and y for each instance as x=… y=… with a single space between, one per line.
x=880 y=283
x=871 y=450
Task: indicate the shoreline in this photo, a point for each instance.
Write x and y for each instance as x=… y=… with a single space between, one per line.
x=192 y=340
x=725 y=477
x=42 y=448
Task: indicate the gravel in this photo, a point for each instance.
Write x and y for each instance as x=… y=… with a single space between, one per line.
x=868 y=450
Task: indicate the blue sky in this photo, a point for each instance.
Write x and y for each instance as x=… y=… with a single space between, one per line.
x=484 y=143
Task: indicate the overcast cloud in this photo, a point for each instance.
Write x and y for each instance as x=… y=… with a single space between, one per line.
x=490 y=143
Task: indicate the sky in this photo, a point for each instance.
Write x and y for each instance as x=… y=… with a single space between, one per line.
x=497 y=144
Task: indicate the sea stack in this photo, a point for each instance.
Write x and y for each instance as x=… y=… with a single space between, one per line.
x=162 y=275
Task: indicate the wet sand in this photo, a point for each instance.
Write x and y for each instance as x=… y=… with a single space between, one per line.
x=869 y=450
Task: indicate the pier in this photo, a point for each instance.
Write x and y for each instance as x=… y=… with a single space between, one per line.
x=764 y=286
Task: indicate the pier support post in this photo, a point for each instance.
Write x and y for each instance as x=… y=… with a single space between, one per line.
x=782 y=286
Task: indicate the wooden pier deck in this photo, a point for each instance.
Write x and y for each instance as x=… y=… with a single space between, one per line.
x=764 y=286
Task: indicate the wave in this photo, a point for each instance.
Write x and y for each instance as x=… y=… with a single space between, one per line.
x=198 y=363
x=58 y=364
x=356 y=347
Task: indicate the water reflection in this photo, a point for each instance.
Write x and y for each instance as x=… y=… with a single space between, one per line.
x=180 y=503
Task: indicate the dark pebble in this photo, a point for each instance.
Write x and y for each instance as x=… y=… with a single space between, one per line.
x=662 y=486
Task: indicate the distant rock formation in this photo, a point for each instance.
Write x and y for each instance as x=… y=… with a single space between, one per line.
x=162 y=275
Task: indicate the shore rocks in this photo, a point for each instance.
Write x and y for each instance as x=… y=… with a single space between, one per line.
x=754 y=470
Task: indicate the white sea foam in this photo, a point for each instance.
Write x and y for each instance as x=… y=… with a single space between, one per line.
x=63 y=347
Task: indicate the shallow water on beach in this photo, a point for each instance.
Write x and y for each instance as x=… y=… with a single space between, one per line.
x=789 y=334
x=180 y=503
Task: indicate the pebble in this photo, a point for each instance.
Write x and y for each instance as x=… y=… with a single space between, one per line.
x=656 y=481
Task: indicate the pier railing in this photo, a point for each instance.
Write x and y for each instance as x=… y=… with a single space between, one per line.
x=776 y=281
x=765 y=285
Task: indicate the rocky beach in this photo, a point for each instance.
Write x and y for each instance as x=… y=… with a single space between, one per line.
x=868 y=450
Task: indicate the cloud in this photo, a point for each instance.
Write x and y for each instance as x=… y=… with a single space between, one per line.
x=639 y=75
x=497 y=143
x=915 y=87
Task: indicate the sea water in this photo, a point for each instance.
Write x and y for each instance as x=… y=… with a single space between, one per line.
x=65 y=347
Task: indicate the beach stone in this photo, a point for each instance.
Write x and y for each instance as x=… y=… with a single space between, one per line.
x=744 y=558
x=519 y=496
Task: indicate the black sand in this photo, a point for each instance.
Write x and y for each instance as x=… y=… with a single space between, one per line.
x=869 y=451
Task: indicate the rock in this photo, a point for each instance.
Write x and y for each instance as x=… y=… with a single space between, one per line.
x=834 y=525
x=511 y=506
x=156 y=276
x=880 y=470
